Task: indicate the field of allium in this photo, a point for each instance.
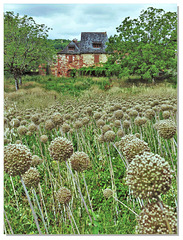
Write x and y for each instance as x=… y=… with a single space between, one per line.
x=101 y=163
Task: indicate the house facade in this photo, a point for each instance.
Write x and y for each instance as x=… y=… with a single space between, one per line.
x=89 y=51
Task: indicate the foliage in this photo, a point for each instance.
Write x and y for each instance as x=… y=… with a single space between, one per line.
x=59 y=44
x=146 y=45
x=25 y=45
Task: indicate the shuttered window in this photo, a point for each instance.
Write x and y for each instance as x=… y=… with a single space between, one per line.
x=70 y=58
x=96 y=58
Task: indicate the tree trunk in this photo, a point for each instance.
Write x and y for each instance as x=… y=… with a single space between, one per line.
x=16 y=84
x=20 y=81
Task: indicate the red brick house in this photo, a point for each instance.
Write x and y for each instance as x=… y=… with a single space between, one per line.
x=88 y=52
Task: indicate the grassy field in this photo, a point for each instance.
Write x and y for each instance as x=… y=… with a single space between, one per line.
x=100 y=119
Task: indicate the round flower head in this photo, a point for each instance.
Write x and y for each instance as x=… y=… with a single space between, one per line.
x=126 y=124
x=36 y=160
x=97 y=115
x=100 y=123
x=80 y=161
x=15 y=122
x=89 y=110
x=17 y=159
x=31 y=177
x=22 y=130
x=133 y=113
x=120 y=133
x=6 y=141
x=67 y=116
x=135 y=147
x=166 y=128
x=140 y=121
x=78 y=124
x=49 y=124
x=32 y=127
x=148 y=175
x=149 y=113
x=23 y=123
x=125 y=140
x=85 y=121
x=35 y=119
x=118 y=114
x=66 y=127
x=63 y=195
x=18 y=142
x=106 y=128
x=166 y=114
x=57 y=119
x=117 y=123
x=107 y=193
x=60 y=149
x=43 y=138
x=109 y=136
x=152 y=220
x=101 y=138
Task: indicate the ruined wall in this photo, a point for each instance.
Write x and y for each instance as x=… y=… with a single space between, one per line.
x=67 y=62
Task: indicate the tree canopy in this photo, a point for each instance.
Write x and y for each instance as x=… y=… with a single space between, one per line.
x=25 y=45
x=146 y=45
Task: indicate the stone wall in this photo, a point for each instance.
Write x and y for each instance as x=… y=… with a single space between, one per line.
x=67 y=62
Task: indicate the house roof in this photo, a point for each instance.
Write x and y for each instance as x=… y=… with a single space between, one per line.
x=86 y=43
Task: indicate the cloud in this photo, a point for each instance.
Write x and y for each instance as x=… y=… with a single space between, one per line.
x=69 y=20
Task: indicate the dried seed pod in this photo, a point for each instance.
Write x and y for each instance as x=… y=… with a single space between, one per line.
x=22 y=130
x=120 y=133
x=126 y=124
x=57 y=119
x=80 y=161
x=135 y=147
x=97 y=115
x=149 y=113
x=152 y=220
x=32 y=128
x=66 y=127
x=125 y=140
x=15 y=122
x=49 y=124
x=140 y=121
x=109 y=136
x=107 y=193
x=166 y=128
x=100 y=123
x=44 y=138
x=78 y=124
x=63 y=195
x=35 y=118
x=117 y=123
x=60 y=149
x=17 y=159
x=36 y=160
x=118 y=114
x=166 y=114
x=31 y=177
x=85 y=121
x=148 y=175
x=106 y=128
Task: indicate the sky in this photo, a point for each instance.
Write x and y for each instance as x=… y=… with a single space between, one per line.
x=69 y=20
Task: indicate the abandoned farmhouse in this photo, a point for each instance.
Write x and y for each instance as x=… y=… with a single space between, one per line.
x=77 y=54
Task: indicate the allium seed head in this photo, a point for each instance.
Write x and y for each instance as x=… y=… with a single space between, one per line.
x=17 y=159
x=166 y=128
x=63 y=195
x=109 y=136
x=44 y=138
x=107 y=193
x=60 y=149
x=148 y=175
x=152 y=220
x=80 y=161
x=31 y=177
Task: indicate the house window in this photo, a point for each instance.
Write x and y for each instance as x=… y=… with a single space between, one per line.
x=97 y=45
x=96 y=58
x=71 y=48
x=70 y=59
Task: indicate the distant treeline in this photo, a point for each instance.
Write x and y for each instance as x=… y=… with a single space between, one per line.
x=59 y=44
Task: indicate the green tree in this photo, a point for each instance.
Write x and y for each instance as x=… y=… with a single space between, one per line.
x=146 y=45
x=25 y=45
